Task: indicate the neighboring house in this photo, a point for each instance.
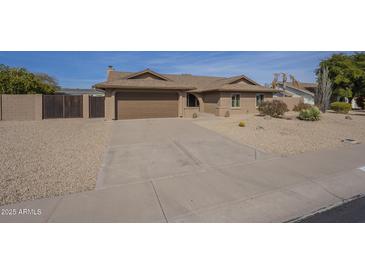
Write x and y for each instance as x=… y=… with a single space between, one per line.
x=297 y=89
x=78 y=91
x=148 y=94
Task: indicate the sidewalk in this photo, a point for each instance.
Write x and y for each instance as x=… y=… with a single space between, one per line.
x=272 y=190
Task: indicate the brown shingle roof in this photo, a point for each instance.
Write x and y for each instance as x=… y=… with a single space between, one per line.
x=117 y=79
x=143 y=83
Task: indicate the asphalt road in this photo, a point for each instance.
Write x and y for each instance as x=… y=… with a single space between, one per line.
x=351 y=212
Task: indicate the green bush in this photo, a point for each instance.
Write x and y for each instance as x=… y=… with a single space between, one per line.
x=301 y=106
x=241 y=124
x=195 y=115
x=341 y=107
x=310 y=114
x=273 y=108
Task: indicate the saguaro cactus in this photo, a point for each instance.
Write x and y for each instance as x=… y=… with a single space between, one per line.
x=323 y=93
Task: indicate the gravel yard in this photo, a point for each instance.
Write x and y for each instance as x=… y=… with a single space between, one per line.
x=50 y=157
x=284 y=137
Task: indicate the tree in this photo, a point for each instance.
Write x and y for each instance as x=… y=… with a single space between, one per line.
x=323 y=93
x=347 y=73
x=21 y=81
x=49 y=80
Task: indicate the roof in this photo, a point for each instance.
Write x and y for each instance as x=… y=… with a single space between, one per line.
x=148 y=79
x=78 y=91
x=302 y=87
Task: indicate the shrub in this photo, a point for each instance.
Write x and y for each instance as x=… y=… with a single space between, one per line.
x=360 y=101
x=242 y=124
x=274 y=108
x=341 y=107
x=195 y=115
x=310 y=114
x=227 y=114
x=301 y=106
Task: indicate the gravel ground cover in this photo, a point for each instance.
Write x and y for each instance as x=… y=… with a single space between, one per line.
x=290 y=136
x=50 y=157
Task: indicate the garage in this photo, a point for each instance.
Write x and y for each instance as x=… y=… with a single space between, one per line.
x=139 y=105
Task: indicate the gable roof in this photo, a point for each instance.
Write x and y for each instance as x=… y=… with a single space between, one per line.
x=118 y=79
x=146 y=72
x=234 y=79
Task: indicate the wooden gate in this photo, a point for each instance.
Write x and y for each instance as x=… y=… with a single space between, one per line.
x=96 y=106
x=62 y=106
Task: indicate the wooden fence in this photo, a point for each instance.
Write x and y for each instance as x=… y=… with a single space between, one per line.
x=62 y=106
x=96 y=106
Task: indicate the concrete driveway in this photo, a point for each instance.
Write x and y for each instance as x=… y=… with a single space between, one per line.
x=171 y=170
x=156 y=149
x=178 y=162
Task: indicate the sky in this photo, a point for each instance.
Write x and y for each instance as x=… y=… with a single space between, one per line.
x=85 y=68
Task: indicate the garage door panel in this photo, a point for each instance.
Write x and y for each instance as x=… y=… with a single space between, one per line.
x=146 y=105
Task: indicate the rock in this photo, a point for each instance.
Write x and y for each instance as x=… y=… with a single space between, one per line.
x=350 y=141
x=259 y=127
x=348 y=117
x=267 y=117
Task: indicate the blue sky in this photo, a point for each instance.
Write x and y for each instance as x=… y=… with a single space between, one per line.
x=83 y=69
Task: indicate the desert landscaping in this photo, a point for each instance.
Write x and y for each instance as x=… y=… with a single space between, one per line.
x=50 y=157
x=289 y=135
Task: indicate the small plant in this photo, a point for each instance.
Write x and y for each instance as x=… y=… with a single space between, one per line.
x=274 y=108
x=301 y=106
x=227 y=114
x=310 y=114
x=242 y=124
x=341 y=107
x=195 y=115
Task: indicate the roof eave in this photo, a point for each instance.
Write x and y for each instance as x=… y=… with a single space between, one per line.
x=106 y=86
x=237 y=90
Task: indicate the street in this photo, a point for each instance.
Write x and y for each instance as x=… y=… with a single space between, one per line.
x=351 y=212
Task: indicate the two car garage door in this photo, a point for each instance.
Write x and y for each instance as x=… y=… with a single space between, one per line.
x=137 y=105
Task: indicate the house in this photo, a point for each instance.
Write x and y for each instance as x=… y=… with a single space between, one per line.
x=79 y=91
x=148 y=94
x=297 y=89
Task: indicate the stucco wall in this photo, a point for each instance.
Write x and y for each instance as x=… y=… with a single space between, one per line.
x=247 y=103
x=110 y=105
x=85 y=106
x=211 y=101
x=291 y=102
x=189 y=111
x=21 y=107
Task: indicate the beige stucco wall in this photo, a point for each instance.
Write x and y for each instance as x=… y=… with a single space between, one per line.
x=247 y=103
x=21 y=107
x=211 y=101
x=85 y=106
x=189 y=111
x=110 y=105
x=217 y=103
x=291 y=102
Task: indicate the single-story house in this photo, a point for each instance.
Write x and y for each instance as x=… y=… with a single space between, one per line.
x=148 y=94
x=297 y=89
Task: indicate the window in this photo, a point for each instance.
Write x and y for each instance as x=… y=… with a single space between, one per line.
x=235 y=100
x=192 y=101
x=259 y=99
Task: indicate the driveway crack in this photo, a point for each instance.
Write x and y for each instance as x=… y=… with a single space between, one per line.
x=159 y=201
x=187 y=153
